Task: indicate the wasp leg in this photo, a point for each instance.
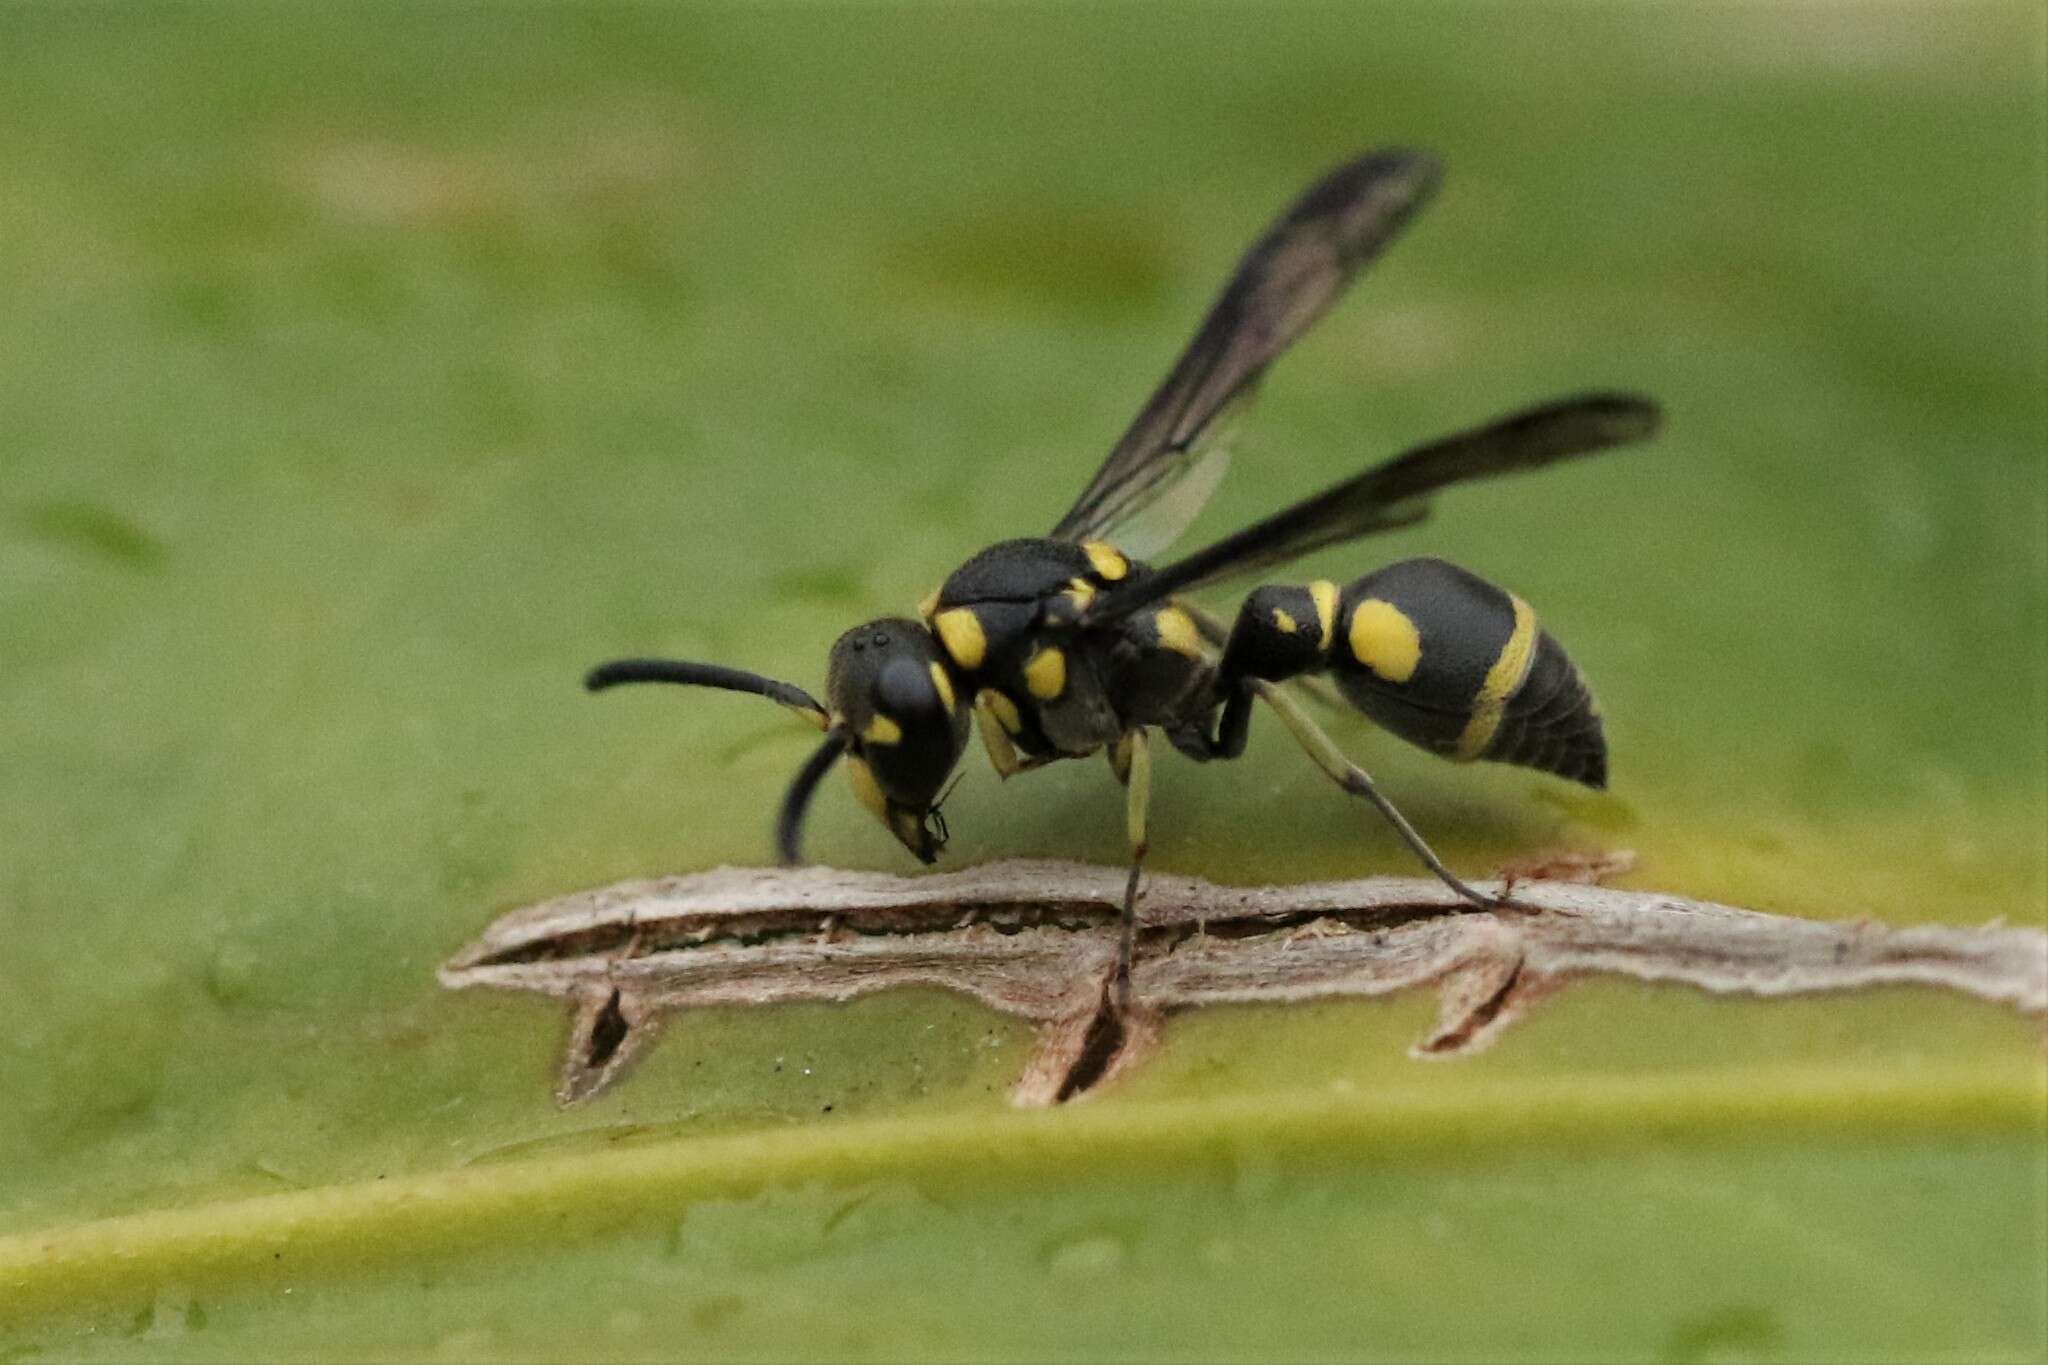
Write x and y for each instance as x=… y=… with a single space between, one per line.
x=995 y=737
x=1132 y=761
x=1354 y=780
x=1216 y=631
x=1233 y=728
x=1119 y=756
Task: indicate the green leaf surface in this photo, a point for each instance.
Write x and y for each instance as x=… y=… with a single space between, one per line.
x=366 y=374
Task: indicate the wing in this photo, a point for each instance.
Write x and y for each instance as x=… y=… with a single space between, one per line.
x=1285 y=282
x=1155 y=519
x=1393 y=494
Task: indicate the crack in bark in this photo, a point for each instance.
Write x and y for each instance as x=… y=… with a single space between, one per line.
x=1039 y=940
x=1461 y=1025
x=1101 y=1044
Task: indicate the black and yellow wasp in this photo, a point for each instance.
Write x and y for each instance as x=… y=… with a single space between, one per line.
x=1066 y=644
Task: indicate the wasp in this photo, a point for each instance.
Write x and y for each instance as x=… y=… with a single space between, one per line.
x=1072 y=643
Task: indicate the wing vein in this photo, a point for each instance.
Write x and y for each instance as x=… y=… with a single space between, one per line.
x=1392 y=494
x=1288 y=279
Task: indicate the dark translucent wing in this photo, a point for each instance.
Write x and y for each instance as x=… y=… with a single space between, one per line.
x=1392 y=494
x=1285 y=282
x=1155 y=517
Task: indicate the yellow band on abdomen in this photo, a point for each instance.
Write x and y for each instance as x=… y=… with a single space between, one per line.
x=1502 y=681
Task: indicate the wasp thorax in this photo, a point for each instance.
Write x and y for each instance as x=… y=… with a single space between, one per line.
x=1280 y=632
x=890 y=692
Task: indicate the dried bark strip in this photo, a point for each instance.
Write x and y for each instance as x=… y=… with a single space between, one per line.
x=1039 y=940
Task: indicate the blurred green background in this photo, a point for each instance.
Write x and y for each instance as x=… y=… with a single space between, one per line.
x=367 y=373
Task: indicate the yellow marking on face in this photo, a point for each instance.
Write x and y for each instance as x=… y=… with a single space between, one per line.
x=1284 y=623
x=1503 y=680
x=882 y=730
x=907 y=826
x=813 y=715
x=866 y=790
x=960 y=632
x=1177 y=631
x=1080 y=592
x=1385 y=640
x=1325 y=594
x=930 y=605
x=1046 y=674
x=1002 y=755
x=943 y=681
x=1109 y=562
x=999 y=705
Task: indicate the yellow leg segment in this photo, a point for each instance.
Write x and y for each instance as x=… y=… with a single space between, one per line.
x=1353 y=779
x=1002 y=754
x=989 y=708
x=1132 y=760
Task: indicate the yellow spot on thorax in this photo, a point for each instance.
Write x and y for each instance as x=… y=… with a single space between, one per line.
x=865 y=789
x=1325 y=594
x=930 y=605
x=1510 y=670
x=942 y=681
x=1284 y=623
x=882 y=730
x=961 y=633
x=1385 y=640
x=1109 y=562
x=1046 y=673
x=1080 y=592
x=1177 y=631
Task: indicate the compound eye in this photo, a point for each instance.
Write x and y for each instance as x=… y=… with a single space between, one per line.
x=904 y=691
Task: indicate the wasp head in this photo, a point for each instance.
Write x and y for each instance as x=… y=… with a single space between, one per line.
x=891 y=699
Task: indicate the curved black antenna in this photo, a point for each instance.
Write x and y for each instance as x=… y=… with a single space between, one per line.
x=620 y=671
x=789 y=824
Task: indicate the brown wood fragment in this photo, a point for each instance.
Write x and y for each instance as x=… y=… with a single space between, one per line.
x=1592 y=867
x=1039 y=940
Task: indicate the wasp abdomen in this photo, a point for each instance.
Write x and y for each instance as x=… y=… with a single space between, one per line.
x=1451 y=663
x=1552 y=723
